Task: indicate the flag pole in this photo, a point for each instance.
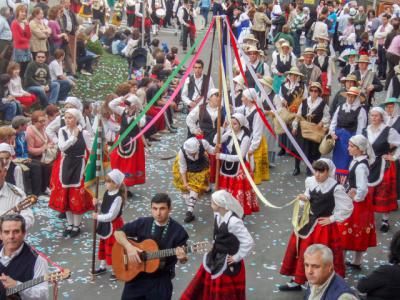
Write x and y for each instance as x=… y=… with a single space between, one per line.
x=218 y=162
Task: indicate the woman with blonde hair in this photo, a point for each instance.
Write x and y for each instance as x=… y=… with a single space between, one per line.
x=40 y=31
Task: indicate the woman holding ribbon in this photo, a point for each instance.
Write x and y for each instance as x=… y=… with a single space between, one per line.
x=129 y=156
x=68 y=193
x=382 y=178
x=325 y=203
x=358 y=231
x=232 y=177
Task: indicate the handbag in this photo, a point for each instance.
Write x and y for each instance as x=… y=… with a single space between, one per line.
x=311 y=131
x=327 y=145
x=50 y=154
x=286 y=117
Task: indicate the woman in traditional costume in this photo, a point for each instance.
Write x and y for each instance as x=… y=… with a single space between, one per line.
x=349 y=119
x=325 y=204
x=324 y=62
x=358 y=231
x=118 y=13
x=68 y=193
x=242 y=23
x=191 y=172
x=222 y=274
x=282 y=61
x=382 y=178
x=129 y=156
x=232 y=177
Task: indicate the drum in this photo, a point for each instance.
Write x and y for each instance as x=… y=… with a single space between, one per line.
x=199 y=22
x=160 y=13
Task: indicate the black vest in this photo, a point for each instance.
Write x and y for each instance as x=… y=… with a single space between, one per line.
x=196 y=165
x=250 y=119
x=72 y=161
x=123 y=149
x=289 y=95
x=322 y=205
x=396 y=125
x=283 y=67
x=348 y=120
x=192 y=86
x=188 y=18
x=21 y=267
x=316 y=115
x=207 y=125
x=225 y=243
x=231 y=168
x=104 y=229
x=325 y=65
x=352 y=180
x=259 y=69
x=396 y=86
x=10 y=173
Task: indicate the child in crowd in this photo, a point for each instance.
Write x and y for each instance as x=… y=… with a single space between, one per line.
x=15 y=86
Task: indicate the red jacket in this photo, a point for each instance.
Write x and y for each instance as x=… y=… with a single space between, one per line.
x=21 y=37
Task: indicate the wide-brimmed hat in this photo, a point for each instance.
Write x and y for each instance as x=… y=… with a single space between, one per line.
x=252 y=48
x=294 y=71
x=250 y=38
x=285 y=44
x=323 y=37
x=350 y=53
x=363 y=59
x=315 y=85
x=390 y=101
x=321 y=47
x=353 y=91
x=309 y=51
x=267 y=80
x=350 y=77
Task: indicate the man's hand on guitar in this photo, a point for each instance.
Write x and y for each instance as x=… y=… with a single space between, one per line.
x=133 y=254
x=7 y=281
x=181 y=254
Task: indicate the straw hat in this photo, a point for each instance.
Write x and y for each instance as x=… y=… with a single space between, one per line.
x=309 y=51
x=390 y=101
x=353 y=91
x=363 y=59
x=250 y=39
x=349 y=77
x=315 y=85
x=323 y=37
x=252 y=48
x=285 y=44
x=267 y=80
x=321 y=47
x=239 y=80
x=294 y=71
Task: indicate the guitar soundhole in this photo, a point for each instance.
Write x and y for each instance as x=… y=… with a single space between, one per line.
x=143 y=256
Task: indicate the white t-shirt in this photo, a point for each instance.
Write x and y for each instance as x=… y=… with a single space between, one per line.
x=56 y=70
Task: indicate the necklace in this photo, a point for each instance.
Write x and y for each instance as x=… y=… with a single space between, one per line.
x=164 y=230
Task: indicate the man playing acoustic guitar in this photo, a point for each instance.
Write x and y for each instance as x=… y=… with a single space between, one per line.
x=168 y=234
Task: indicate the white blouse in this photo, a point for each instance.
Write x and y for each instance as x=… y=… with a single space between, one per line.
x=193 y=118
x=182 y=161
x=65 y=144
x=312 y=106
x=362 y=116
x=244 y=146
x=362 y=172
x=393 y=138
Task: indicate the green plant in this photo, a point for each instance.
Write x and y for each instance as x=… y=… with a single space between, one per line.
x=95 y=47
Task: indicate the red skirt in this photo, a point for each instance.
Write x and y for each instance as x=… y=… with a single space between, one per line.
x=138 y=22
x=27 y=100
x=293 y=262
x=324 y=83
x=133 y=167
x=358 y=231
x=74 y=199
x=213 y=166
x=225 y=287
x=160 y=123
x=384 y=195
x=241 y=189
x=105 y=245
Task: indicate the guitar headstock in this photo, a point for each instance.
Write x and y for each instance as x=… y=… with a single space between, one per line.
x=27 y=202
x=58 y=276
x=199 y=247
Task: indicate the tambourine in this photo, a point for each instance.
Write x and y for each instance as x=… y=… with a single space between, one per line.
x=161 y=13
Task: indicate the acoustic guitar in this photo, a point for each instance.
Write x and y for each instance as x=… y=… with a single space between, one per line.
x=125 y=270
x=24 y=204
x=11 y=293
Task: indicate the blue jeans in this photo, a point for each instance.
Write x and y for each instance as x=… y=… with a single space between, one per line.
x=41 y=94
x=217 y=9
x=65 y=88
x=204 y=12
x=9 y=110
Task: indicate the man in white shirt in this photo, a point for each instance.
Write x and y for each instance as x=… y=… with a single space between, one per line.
x=18 y=263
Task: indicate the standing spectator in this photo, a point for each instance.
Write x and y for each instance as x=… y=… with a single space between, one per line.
x=372 y=23
x=205 y=9
x=83 y=59
x=331 y=19
x=15 y=86
x=7 y=105
x=360 y=21
x=21 y=33
x=42 y=4
x=320 y=27
x=57 y=75
x=69 y=25
x=5 y=37
x=260 y=25
x=40 y=32
x=57 y=37
x=188 y=24
x=297 y=26
x=392 y=47
x=380 y=36
x=37 y=80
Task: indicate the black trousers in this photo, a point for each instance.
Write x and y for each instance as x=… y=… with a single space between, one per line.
x=185 y=34
x=393 y=60
x=382 y=61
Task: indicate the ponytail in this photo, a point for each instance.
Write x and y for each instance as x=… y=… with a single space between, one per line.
x=123 y=191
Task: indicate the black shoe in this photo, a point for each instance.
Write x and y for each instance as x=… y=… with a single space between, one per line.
x=75 y=231
x=189 y=217
x=67 y=231
x=112 y=277
x=353 y=266
x=62 y=216
x=385 y=226
x=99 y=271
x=129 y=194
x=296 y=172
x=282 y=152
x=287 y=288
x=153 y=139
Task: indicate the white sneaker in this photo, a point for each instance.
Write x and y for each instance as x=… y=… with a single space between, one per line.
x=84 y=72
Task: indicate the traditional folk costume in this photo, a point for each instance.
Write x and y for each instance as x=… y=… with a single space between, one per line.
x=347 y=121
x=155 y=285
x=312 y=73
x=281 y=63
x=99 y=8
x=86 y=9
x=323 y=61
x=259 y=67
x=358 y=231
x=68 y=193
x=130 y=12
x=382 y=178
x=192 y=163
x=232 y=177
x=242 y=25
x=153 y=6
x=216 y=279
x=109 y=220
x=129 y=157
x=118 y=13
x=326 y=199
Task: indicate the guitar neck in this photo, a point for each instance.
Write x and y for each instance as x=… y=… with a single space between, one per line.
x=25 y=285
x=163 y=253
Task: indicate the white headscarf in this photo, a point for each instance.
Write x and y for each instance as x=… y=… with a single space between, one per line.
x=250 y=94
x=241 y=119
x=191 y=145
x=77 y=114
x=117 y=176
x=383 y=113
x=212 y=92
x=225 y=200
x=75 y=102
x=331 y=165
x=4 y=147
x=364 y=145
x=134 y=100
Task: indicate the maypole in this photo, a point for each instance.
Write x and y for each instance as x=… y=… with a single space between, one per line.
x=218 y=162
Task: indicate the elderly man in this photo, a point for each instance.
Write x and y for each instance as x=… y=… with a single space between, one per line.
x=312 y=73
x=324 y=283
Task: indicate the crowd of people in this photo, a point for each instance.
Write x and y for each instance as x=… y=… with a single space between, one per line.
x=47 y=134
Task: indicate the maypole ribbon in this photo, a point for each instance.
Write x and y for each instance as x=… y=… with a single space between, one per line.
x=238 y=150
x=177 y=89
x=265 y=96
x=157 y=95
x=230 y=70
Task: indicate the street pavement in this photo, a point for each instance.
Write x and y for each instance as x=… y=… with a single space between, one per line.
x=270 y=227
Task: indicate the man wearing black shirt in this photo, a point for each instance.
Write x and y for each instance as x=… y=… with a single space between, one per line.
x=168 y=234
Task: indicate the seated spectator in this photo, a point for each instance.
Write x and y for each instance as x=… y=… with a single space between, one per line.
x=8 y=105
x=52 y=112
x=57 y=38
x=83 y=59
x=384 y=282
x=40 y=32
x=14 y=171
x=7 y=135
x=37 y=80
x=15 y=86
x=5 y=38
x=20 y=123
x=57 y=75
x=323 y=282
